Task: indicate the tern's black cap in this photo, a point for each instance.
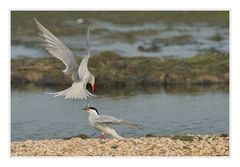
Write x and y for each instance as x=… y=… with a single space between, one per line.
x=93 y=108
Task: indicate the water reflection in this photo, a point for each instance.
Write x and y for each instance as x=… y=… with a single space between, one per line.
x=130 y=91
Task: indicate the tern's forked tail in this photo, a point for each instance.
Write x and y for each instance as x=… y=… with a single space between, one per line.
x=76 y=91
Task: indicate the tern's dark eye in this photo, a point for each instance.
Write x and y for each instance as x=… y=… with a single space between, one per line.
x=89 y=86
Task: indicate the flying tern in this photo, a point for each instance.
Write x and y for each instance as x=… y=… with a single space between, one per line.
x=80 y=74
x=102 y=122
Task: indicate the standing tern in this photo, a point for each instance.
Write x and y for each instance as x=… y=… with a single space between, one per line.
x=80 y=74
x=102 y=122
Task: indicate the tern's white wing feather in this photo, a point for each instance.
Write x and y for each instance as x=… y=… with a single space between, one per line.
x=83 y=69
x=59 y=50
x=76 y=91
x=112 y=120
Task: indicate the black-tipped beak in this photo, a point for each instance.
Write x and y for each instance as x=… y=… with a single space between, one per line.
x=85 y=109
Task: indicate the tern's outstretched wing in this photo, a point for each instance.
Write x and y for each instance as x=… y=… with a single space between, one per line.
x=83 y=67
x=76 y=91
x=112 y=120
x=59 y=50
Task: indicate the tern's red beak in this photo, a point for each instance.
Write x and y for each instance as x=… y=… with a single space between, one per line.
x=93 y=88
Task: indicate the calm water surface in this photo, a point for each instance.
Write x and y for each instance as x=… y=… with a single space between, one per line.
x=35 y=115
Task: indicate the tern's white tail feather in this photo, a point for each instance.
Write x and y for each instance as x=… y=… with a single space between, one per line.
x=76 y=91
x=114 y=134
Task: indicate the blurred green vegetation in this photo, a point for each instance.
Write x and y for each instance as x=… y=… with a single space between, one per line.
x=22 y=21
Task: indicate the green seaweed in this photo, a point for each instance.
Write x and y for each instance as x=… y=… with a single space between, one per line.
x=113 y=70
x=183 y=137
x=216 y=37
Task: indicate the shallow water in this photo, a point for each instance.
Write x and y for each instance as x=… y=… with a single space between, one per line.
x=35 y=115
x=128 y=43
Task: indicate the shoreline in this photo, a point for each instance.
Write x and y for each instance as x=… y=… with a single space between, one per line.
x=180 y=145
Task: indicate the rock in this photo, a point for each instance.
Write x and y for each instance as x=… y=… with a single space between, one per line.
x=82 y=136
x=114 y=146
x=223 y=135
x=149 y=135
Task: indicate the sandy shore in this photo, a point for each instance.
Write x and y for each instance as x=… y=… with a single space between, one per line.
x=201 y=145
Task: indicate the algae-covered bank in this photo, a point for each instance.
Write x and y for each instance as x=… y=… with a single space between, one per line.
x=113 y=70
